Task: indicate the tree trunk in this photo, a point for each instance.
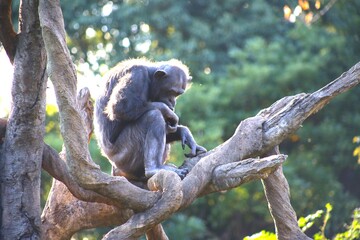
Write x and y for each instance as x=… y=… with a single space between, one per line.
x=20 y=164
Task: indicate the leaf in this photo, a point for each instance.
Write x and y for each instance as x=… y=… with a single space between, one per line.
x=356 y=151
x=301 y=222
x=304 y=4
x=329 y=207
x=309 y=17
x=287 y=12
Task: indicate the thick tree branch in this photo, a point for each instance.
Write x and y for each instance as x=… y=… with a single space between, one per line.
x=170 y=184
x=286 y=115
x=7 y=34
x=64 y=215
x=57 y=168
x=277 y=193
x=231 y=175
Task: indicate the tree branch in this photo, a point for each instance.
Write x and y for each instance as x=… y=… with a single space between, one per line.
x=8 y=36
x=287 y=114
x=231 y=175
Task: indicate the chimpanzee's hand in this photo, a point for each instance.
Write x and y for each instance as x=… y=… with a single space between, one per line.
x=152 y=170
x=182 y=172
x=188 y=139
x=171 y=119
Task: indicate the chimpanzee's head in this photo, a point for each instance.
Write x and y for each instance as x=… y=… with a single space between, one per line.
x=169 y=81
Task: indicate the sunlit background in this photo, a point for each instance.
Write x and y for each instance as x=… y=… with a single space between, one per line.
x=85 y=79
x=6 y=70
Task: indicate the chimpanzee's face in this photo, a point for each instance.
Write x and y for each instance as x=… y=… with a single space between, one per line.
x=167 y=86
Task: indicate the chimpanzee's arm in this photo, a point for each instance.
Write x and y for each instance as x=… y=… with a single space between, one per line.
x=184 y=135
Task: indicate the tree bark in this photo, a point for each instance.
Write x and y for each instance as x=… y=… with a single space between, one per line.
x=277 y=193
x=20 y=165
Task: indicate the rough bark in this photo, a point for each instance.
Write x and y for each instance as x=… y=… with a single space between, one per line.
x=277 y=193
x=20 y=164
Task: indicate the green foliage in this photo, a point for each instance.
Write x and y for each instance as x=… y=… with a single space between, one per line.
x=305 y=223
x=263 y=235
x=356 y=152
x=91 y=234
x=181 y=227
x=319 y=219
x=353 y=230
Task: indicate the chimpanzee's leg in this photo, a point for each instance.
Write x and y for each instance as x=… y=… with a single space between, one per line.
x=155 y=145
x=140 y=150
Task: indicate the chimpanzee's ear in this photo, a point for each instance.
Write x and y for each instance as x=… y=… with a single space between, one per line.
x=160 y=73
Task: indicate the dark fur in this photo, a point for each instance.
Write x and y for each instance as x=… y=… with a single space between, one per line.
x=134 y=117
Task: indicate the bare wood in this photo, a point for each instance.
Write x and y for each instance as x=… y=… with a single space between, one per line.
x=169 y=183
x=63 y=202
x=64 y=215
x=231 y=175
x=286 y=115
x=277 y=193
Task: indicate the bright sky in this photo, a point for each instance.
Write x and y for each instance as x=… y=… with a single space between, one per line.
x=6 y=73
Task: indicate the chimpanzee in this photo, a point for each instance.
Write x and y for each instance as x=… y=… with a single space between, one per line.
x=135 y=119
